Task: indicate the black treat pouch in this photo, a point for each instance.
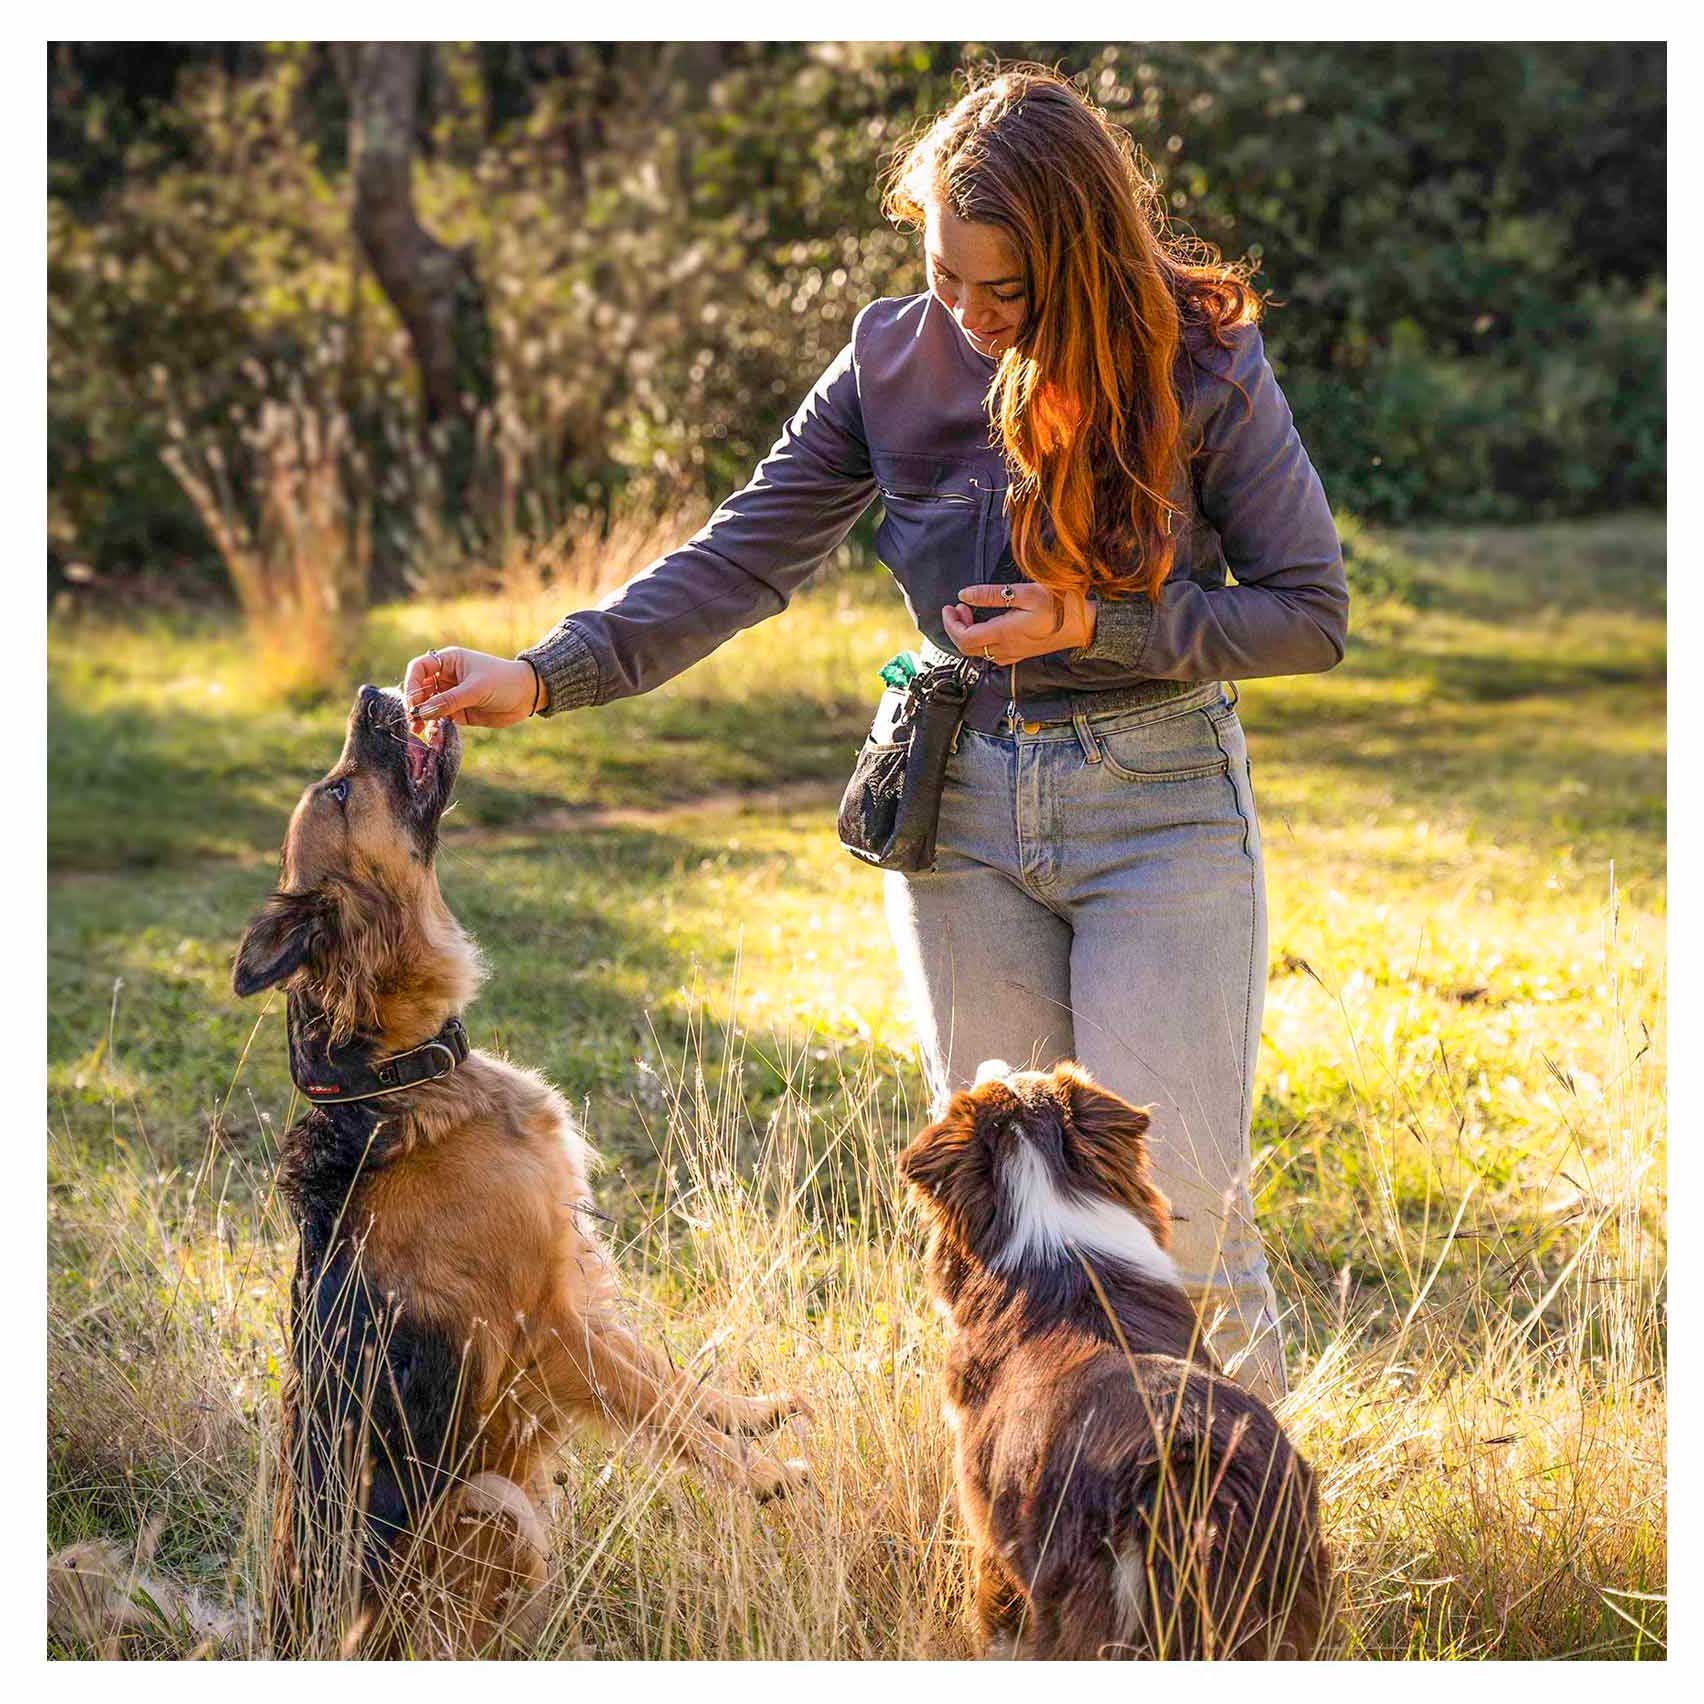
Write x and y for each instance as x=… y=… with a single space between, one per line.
x=892 y=804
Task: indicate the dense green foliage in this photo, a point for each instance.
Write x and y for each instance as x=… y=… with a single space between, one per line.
x=1465 y=249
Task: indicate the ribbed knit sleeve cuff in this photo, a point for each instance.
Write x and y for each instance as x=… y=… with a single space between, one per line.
x=1121 y=633
x=568 y=667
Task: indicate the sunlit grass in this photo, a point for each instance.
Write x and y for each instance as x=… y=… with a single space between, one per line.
x=1481 y=1387
x=1459 y=1131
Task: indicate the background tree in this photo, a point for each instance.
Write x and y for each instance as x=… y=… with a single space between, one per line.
x=433 y=287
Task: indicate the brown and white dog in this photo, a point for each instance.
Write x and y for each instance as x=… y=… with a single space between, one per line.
x=453 y=1315
x=1123 y=1498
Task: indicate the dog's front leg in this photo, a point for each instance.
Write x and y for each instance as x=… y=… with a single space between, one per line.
x=609 y=1369
x=733 y=1412
x=999 y=1607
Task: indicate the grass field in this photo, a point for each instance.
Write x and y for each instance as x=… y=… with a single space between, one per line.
x=1459 y=1129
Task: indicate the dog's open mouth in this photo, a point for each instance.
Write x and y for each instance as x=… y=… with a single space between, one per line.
x=422 y=767
x=421 y=757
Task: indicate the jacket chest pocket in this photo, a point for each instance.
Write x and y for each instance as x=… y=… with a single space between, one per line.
x=935 y=519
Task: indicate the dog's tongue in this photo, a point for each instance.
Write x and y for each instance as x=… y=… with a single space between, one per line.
x=420 y=752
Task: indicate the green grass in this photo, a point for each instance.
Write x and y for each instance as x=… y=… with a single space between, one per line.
x=1459 y=1129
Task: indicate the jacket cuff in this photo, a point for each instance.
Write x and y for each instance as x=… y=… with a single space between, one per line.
x=568 y=666
x=1121 y=633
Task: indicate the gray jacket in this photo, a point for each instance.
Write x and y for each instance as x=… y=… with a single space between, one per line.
x=1257 y=588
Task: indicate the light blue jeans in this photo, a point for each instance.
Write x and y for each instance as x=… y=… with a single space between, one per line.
x=1100 y=895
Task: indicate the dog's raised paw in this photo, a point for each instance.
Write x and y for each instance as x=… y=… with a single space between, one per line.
x=768 y=1478
x=775 y=1409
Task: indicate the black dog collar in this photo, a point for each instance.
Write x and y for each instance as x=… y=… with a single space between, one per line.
x=333 y=1076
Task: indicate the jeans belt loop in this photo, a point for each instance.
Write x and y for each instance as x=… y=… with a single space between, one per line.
x=1085 y=734
x=1232 y=696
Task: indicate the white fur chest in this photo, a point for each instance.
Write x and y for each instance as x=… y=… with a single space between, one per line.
x=1048 y=1225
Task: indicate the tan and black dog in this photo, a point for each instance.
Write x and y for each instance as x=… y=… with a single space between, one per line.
x=1122 y=1497
x=453 y=1315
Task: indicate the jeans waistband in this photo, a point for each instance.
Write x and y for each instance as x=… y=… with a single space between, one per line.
x=1059 y=708
x=1098 y=707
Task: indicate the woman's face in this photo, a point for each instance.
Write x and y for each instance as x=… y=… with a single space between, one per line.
x=976 y=275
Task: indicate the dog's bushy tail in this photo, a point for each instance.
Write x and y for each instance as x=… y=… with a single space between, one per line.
x=1208 y=1559
x=1228 y=1560
x=1096 y=1596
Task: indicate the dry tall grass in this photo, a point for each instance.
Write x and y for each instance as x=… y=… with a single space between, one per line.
x=1482 y=1394
x=590 y=551
x=296 y=539
x=297 y=545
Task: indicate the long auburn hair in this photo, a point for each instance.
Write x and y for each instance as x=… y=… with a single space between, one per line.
x=1085 y=399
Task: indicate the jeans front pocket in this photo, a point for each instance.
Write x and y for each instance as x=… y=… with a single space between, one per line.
x=1168 y=749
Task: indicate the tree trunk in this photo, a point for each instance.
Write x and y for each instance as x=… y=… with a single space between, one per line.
x=433 y=288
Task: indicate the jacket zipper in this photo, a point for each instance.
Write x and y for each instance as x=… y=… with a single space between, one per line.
x=926 y=496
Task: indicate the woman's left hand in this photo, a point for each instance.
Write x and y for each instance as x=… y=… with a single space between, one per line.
x=1036 y=621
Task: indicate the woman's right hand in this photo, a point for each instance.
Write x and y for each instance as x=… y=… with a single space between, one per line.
x=471 y=687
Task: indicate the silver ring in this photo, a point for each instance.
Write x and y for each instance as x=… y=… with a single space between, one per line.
x=1009 y=594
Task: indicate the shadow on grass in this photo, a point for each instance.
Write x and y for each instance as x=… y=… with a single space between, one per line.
x=131 y=787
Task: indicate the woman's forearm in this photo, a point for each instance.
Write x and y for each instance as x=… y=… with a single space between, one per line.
x=1294 y=621
x=673 y=615
x=742 y=567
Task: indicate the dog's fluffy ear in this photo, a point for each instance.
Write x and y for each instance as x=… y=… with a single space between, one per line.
x=277 y=942
x=1097 y=1110
x=925 y=1162
x=1112 y=1147
x=936 y=1152
x=914 y=1162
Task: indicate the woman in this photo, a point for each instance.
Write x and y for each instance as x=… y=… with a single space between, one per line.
x=1075 y=431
